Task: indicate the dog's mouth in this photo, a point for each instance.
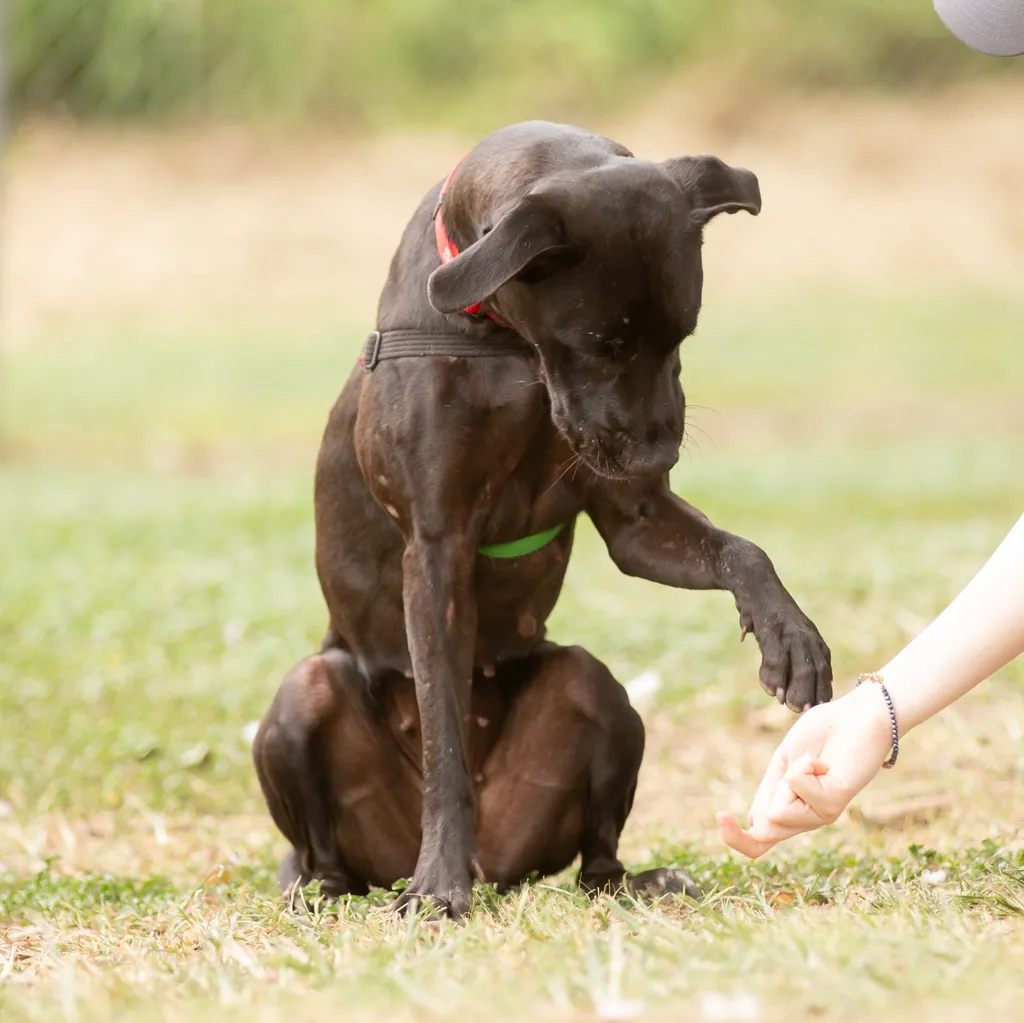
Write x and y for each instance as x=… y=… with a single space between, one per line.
x=620 y=460
x=605 y=469
x=642 y=464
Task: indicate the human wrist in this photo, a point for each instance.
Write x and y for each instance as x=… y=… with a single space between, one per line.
x=875 y=681
x=872 y=711
x=911 y=701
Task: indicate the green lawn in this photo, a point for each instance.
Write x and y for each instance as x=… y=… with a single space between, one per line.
x=156 y=581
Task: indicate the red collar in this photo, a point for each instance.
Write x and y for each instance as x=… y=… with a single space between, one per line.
x=446 y=248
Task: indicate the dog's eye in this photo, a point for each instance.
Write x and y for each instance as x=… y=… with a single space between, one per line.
x=610 y=347
x=599 y=347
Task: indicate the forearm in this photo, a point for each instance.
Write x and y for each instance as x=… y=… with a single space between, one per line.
x=656 y=535
x=653 y=534
x=440 y=617
x=978 y=633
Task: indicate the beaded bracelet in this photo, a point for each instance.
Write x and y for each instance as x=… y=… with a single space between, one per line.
x=874 y=676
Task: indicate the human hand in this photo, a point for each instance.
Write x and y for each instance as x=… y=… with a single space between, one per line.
x=826 y=758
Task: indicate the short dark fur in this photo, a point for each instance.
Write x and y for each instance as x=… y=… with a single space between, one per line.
x=438 y=734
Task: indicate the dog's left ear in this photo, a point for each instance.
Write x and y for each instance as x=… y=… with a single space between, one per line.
x=714 y=187
x=527 y=244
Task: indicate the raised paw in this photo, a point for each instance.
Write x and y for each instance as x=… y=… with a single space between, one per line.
x=796 y=663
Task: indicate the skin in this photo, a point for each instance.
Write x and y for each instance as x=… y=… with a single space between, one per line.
x=833 y=752
x=591 y=258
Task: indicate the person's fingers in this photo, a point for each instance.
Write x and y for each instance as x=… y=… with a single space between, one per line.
x=807 y=797
x=819 y=789
x=736 y=838
x=769 y=783
x=806 y=766
x=755 y=841
x=792 y=814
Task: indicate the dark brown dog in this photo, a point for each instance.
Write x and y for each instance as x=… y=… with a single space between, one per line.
x=437 y=734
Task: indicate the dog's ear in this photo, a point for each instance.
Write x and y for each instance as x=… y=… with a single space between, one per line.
x=715 y=187
x=527 y=244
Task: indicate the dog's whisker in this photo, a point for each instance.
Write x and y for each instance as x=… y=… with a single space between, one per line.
x=687 y=447
x=693 y=423
x=690 y=407
x=704 y=433
x=568 y=465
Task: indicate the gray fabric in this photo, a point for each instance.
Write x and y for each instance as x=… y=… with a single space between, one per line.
x=995 y=27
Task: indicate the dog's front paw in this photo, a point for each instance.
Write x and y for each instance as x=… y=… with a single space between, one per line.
x=796 y=663
x=440 y=888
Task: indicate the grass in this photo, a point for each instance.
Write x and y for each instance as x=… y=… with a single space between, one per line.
x=156 y=567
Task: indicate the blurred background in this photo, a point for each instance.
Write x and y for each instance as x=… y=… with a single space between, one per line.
x=192 y=160
x=201 y=201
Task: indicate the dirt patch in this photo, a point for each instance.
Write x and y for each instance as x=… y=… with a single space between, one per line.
x=102 y=226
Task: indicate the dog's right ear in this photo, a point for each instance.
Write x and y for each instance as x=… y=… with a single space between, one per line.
x=714 y=187
x=527 y=244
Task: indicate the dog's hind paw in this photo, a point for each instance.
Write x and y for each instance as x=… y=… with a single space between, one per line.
x=663 y=881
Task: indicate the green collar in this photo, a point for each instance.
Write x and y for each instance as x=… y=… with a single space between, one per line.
x=523 y=546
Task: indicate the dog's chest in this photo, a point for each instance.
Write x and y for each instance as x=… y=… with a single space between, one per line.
x=541 y=492
x=516 y=591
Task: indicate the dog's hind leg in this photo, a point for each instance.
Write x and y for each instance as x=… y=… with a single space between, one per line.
x=616 y=755
x=339 y=785
x=294 y=773
x=559 y=780
x=614 y=767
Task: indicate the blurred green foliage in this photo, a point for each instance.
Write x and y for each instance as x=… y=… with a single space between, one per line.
x=374 y=62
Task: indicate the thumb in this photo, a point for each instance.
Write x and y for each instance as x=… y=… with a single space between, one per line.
x=806 y=766
x=736 y=838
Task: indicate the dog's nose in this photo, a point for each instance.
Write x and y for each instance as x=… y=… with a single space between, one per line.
x=639 y=459
x=667 y=431
x=657 y=461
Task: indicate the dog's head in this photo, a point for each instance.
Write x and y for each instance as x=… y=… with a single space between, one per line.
x=601 y=271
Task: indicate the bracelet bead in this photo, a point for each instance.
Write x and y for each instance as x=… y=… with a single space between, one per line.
x=874 y=676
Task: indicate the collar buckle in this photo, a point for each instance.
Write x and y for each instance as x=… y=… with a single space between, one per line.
x=371 y=351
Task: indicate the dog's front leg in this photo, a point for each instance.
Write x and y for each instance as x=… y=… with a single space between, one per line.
x=440 y=616
x=652 y=533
